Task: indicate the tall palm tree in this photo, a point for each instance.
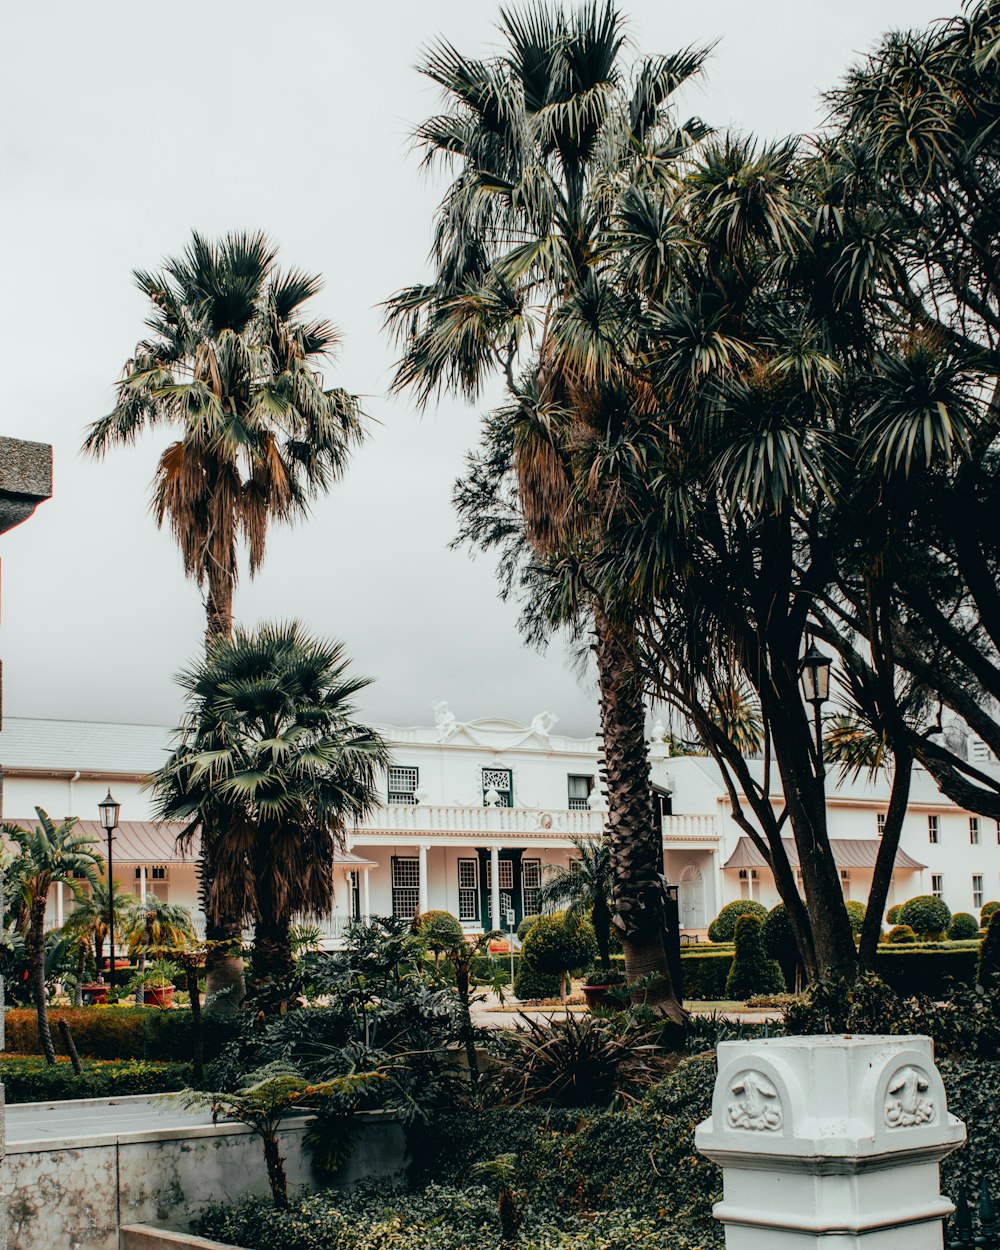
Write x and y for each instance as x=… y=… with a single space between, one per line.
x=271 y=758
x=232 y=364
x=549 y=141
x=155 y=923
x=47 y=855
x=87 y=923
x=585 y=888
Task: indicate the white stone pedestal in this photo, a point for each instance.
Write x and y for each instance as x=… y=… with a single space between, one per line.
x=830 y=1141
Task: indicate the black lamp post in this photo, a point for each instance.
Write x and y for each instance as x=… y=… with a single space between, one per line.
x=814 y=677
x=109 y=810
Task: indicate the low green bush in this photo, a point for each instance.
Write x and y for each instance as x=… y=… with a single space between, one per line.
x=723 y=927
x=704 y=974
x=963 y=927
x=560 y=943
x=901 y=934
x=926 y=915
x=530 y=982
x=986 y=911
x=525 y=925
x=439 y=931
x=892 y=915
x=856 y=913
x=988 y=964
x=752 y=972
x=917 y=970
x=120 y=1032
x=27 y=1078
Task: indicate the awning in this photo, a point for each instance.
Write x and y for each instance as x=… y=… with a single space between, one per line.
x=847 y=853
x=155 y=842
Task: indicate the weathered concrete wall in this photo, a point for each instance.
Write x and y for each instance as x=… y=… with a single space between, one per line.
x=142 y=1237
x=77 y=1194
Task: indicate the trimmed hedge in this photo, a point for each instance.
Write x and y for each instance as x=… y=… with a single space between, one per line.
x=704 y=975
x=963 y=927
x=917 y=970
x=752 y=972
x=723 y=927
x=926 y=915
x=901 y=934
x=120 y=1032
x=27 y=1078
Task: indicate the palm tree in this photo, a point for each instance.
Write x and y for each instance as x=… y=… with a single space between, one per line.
x=233 y=365
x=48 y=855
x=155 y=925
x=87 y=923
x=271 y=758
x=550 y=141
x=585 y=888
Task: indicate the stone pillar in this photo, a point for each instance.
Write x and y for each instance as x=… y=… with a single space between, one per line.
x=422 y=882
x=831 y=1141
x=495 y=918
x=366 y=907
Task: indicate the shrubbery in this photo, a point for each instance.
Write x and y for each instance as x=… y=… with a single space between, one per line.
x=723 y=927
x=28 y=1078
x=856 y=913
x=892 y=915
x=120 y=1032
x=987 y=910
x=439 y=931
x=752 y=971
x=901 y=934
x=963 y=927
x=926 y=915
x=525 y=925
x=988 y=966
x=557 y=944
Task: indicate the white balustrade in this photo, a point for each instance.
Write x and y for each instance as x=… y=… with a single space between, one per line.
x=422 y=818
x=830 y=1142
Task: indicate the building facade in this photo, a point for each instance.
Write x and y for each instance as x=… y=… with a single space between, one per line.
x=475 y=813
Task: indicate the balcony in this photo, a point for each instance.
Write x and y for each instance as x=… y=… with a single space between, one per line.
x=463 y=823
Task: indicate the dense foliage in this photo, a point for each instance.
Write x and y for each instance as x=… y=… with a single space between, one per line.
x=121 y=1032
x=559 y=943
x=926 y=915
x=963 y=927
x=29 y=1078
x=752 y=972
x=723 y=927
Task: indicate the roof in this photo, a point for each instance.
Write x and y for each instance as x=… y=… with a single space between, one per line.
x=87 y=746
x=847 y=853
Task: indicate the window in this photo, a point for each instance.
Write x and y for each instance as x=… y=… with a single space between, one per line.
x=880 y=822
x=355 y=894
x=977 y=892
x=501 y=781
x=748 y=883
x=402 y=784
x=468 y=890
x=157 y=877
x=531 y=881
x=405 y=887
x=845 y=882
x=506 y=871
x=580 y=789
x=974 y=830
x=937 y=884
x=665 y=803
x=932 y=829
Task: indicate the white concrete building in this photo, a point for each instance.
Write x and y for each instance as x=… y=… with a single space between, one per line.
x=474 y=812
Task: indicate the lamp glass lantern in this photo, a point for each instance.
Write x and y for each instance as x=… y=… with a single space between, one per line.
x=814 y=675
x=109 y=810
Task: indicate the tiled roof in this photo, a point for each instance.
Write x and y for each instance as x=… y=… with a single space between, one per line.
x=90 y=746
x=847 y=853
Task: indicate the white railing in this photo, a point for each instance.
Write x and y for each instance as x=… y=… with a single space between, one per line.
x=696 y=828
x=417 y=818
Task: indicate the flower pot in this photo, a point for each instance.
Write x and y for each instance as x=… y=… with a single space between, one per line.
x=596 y=995
x=94 y=994
x=500 y=948
x=158 y=995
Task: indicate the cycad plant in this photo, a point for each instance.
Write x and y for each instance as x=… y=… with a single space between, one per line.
x=584 y=889
x=272 y=761
x=155 y=926
x=554 y=143
x=47 y=855
x=88 y=921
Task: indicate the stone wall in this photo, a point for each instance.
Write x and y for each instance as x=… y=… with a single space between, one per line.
x=77 y=1194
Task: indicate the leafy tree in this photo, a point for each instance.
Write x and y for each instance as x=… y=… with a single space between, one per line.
x=856 y=913
x=439 y=931
x=586 y=887
x=47 y=855
x=271 y=759
x=233 y=364
x=546 y=139
x=989 y=954
x=558 y=944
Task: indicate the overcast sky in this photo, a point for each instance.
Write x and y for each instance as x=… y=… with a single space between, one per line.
x=127 y=124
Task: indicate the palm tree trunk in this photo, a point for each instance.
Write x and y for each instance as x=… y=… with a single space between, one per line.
x=81 y=967
x=140 y=967
x=197 y=1023
x=634 y=840
x=36 y=934
x=601 y=919
x=885 y=861
x=224 y=984
x=271 y=961
x=219 y=601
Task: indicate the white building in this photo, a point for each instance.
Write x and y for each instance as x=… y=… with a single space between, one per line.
x=474 y=812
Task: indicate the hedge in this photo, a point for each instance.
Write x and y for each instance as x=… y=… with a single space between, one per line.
x=917 y=970
x=120 y=1032
x=29 y=1079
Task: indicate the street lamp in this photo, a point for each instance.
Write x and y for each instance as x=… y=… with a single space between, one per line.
x=814 y=677
x=109 y=810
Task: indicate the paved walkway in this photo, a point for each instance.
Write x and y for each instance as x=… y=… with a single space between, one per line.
x=98 y=1117
x=486 y=1015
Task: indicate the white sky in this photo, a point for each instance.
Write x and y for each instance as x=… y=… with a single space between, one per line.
x=129 y=122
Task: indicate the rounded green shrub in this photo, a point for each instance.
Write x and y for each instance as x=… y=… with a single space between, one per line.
x=559 y=944
x=926 y=915
x=987 y=910
x=892 y=915
x=901 y=933
x=530 y=983
x=752 y=972
x=963 y=927
x=989 y=953
x=525 y=925
x=440 y=931
x=856 y=913
x=723 y=927
x=780 y=944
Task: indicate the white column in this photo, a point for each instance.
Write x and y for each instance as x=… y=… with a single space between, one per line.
x=142 y=886
x=59 y=904
x=423 y=880
x=495 y=917
x=830 y=1140
x=366 y=909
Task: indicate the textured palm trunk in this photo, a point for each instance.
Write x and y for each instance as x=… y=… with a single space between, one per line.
x=271 y=961
x=36 y=934
x=634 y=840
x=219 y=601
x=225 y=988
x=197 y=1024
x=602 y=931
x=81 y=968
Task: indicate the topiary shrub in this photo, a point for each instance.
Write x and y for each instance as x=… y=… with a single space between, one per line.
x=752 y=972
x=963 y=927
x=988 y=968
x=987 y=910
x=723 y=927
x=440 y=931
x=856 y=913
x=525 y=925
x=926 y=915
x=559 y=943
x=780 y=944
x=892 y=915
x=530 y=983
x=901 y=933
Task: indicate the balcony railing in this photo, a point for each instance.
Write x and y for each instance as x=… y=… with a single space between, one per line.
x=431 y=818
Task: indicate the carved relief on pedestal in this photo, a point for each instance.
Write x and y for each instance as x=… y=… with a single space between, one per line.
x=906 y=1101
x=756 y=1105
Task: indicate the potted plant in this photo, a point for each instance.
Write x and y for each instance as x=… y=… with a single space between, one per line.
x=598 y=982
x=156 y=981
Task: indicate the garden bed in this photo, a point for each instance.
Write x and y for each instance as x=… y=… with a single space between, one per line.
x=28 y=1078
